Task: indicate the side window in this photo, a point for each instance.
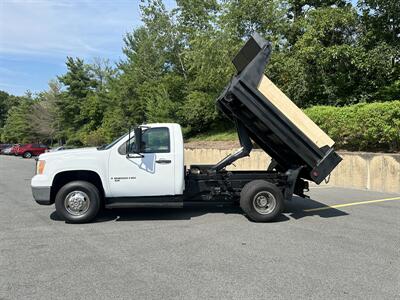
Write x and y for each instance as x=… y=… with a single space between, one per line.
x=34 y=146
x=154 y=140
x=122 y=148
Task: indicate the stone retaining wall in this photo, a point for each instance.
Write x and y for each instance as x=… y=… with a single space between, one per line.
x=372 y=171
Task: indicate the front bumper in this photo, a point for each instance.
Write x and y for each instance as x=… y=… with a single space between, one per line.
x=41 y=194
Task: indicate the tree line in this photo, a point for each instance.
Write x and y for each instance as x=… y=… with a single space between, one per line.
x=325 y=52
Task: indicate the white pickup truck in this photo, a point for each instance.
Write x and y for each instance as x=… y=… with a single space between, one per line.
x=146 y=168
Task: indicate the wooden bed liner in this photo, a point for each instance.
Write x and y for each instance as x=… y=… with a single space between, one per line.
x=292 y=112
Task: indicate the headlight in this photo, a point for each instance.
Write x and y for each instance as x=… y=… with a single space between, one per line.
x=40 y=167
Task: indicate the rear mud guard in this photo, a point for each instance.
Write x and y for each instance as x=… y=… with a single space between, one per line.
x=292 y=176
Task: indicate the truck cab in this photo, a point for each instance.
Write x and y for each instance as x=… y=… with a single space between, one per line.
x=116 y=172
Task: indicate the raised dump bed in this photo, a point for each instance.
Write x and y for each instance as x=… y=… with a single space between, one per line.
x=272 y=120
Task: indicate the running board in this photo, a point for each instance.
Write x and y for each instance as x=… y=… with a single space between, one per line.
x=144 y=204
x=166 y=204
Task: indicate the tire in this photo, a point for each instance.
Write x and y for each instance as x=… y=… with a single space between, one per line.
x=262 y=201
x=78 y=202
x=27 y=155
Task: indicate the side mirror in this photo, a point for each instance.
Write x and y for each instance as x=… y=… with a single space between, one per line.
x=138 y=140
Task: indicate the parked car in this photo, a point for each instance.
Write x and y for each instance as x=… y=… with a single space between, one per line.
x=14 y=149
x=58 y=148
x=29 y=150
x=6 y=151
x=4 y=146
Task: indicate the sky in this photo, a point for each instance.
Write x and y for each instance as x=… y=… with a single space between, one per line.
x=36 y=36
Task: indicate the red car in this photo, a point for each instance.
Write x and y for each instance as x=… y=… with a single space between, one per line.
x=29 y=150
x=14 y=149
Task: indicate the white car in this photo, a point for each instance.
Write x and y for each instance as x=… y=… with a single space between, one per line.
x=56 y=149
x=6 y=151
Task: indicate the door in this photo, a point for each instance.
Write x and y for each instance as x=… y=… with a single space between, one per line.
x=150 y=175
x=34 y=149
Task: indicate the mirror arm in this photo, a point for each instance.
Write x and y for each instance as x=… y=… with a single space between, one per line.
x=127 y=142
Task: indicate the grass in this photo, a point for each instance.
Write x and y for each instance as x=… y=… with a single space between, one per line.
x=227 y=135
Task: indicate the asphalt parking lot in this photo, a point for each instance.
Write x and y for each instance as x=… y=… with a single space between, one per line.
x=352 y=251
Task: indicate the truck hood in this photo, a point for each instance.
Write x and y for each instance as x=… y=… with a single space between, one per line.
x=69 y=152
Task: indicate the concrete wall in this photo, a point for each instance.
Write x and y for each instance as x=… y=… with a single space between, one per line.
x=372 y=171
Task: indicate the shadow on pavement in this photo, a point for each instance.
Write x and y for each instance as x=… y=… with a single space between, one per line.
x=156 y=214
x=296 y=207
x=293 y=210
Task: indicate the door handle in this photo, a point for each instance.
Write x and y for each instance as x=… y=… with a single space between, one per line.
x=163 y=161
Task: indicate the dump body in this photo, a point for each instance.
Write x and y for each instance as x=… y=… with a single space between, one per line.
x=272 y=120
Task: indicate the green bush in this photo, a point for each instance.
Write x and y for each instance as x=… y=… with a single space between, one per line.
x=361 y=127
x=93 y=138
x=199 y=112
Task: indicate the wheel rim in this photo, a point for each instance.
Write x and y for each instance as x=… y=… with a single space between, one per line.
x=264 y=202
x=77 y=203
x=28 y=155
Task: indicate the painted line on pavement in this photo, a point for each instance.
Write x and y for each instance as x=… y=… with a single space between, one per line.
x=351 y=204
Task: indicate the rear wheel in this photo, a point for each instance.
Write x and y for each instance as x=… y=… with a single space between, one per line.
x=27 y=155
x=262 y=201
x=78 y=202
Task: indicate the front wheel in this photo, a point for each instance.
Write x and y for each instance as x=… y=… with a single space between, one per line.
x=78 y=202
x=27 y=155
x=262 y=201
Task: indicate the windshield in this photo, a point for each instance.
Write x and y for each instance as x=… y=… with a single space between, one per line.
x=106 y=147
